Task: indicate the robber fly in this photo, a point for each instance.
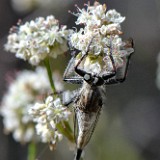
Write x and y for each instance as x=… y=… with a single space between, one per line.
x=88 y=100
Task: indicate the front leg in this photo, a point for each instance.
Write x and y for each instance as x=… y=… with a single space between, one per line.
x=121 y=73
x=78 y=70
x=69 y=70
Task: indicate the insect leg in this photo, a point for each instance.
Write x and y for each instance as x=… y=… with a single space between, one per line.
x=121 y=73
x=111 y=56
x=112 y=73
x=69 y=97
x=78 y=70
x=68 y=71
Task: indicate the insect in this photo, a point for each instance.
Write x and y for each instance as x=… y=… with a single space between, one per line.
x=89 y=100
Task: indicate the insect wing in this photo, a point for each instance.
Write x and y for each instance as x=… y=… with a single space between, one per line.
x=85 y=124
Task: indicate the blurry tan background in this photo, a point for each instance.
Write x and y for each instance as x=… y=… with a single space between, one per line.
x=129 y=127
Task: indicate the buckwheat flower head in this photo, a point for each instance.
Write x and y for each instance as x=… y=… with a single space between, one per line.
x=38 y=39
x=46 y=116
x=28 y=87
x=92 y=16
x=100 y=35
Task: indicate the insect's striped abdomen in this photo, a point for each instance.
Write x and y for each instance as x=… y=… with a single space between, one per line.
x=88 y=107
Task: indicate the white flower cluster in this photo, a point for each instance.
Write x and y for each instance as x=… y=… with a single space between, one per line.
x=102 y=29
x=22 y=93
x=36 y=40
x=46 y=116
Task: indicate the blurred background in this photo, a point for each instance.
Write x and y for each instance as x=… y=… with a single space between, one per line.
x=129 y=126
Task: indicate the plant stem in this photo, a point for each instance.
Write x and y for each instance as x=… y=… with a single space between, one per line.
x=64 y=127
x=66 y=130
x=31 y=151
x=49 y=71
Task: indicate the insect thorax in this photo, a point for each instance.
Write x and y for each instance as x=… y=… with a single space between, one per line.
x=89 y=99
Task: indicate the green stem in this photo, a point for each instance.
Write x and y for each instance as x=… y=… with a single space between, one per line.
x=31 y=151
x=66 y=130
x=49 y=71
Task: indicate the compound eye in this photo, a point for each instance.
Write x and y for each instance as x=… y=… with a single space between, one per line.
x=87 y=77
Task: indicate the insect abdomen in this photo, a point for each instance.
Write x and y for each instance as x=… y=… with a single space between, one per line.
x=88 y=107
x=86 y=125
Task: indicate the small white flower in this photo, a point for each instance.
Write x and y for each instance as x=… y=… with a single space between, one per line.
x=114 y=17
x=93 y=16
x=110 y=28
x=94 y=68
x=38 y=39
x=46 y=116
